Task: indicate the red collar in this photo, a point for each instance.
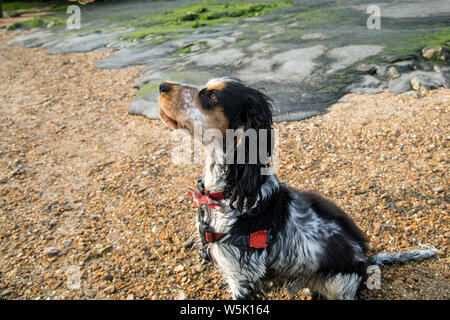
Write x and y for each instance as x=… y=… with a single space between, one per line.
x=211 y=199
x=217 y=196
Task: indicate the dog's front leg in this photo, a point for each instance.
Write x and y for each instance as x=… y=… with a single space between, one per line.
x=243 y=290
x=242 y=271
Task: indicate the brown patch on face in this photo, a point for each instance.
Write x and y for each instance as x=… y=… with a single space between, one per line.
x=216 y=119
x=219 y=86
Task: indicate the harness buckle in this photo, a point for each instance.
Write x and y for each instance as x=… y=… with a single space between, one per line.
x=259 y=239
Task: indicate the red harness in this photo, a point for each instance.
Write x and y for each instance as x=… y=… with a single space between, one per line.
x=257 y=239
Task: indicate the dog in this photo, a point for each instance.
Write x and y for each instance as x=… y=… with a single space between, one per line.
x=255 y=229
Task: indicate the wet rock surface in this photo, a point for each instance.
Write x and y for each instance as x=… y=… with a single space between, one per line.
x=304 y=56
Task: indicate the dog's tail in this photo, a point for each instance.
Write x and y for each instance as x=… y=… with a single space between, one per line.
x=400 y=257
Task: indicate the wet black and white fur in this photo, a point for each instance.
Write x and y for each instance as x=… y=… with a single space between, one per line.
x=316 y=245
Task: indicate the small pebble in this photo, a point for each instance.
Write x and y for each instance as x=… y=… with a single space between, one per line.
x=110 y=289
x=188 y=243
x=179 y=268
x=51 y=251
x=107 y=276
x=438 y=189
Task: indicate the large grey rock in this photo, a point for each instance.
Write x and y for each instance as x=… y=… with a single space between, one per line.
x=295 y=116
x=223 y=58
x=293 y=65
x=136 y=56
x=346 y=56
x=34 y=39
x=411 y=9
x=298 y=64
x=86 y=42
x=149 y=77
x=314 y=36
x=367 y=85
x=431 y=80
x=145 y=106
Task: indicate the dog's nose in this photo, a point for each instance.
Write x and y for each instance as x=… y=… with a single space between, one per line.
x=164 y=88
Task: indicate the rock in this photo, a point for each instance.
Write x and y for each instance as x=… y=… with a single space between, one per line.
x=130 y=297
x=298 y=63
x=223 y=58
x=188 y=243
x=107 y=276
x=119 y=45
x=423 y=83
x=67 y=244
x=137 y=55
x=179 y=268
x=51 y=24
x=367 y=85
x=110 y=289
x=429 y=53
x=146 y=105
x=345 y=56
x=415 y=84
x=83 y=43
x=53 y=223
x=411 y=94
x=34 y=39
x=181 y=295
x=313 y=36
x=393 y=73
x=397 y=284
x=372 y=69
x=438 y=189
x=6 y=293
x=424 y=80
x=342 y=100
x=51 y=251
x=293 y=65
x=104 y=249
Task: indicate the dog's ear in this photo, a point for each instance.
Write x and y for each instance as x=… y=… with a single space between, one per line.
x=252 y=124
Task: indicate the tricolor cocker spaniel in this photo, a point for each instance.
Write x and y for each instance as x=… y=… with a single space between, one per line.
x=254 y=228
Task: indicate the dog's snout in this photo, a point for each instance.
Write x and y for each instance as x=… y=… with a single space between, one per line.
x=164 y=88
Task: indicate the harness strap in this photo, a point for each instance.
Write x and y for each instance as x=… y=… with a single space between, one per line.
x=258 y=239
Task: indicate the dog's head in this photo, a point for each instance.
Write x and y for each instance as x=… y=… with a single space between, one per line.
x=223 y=104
